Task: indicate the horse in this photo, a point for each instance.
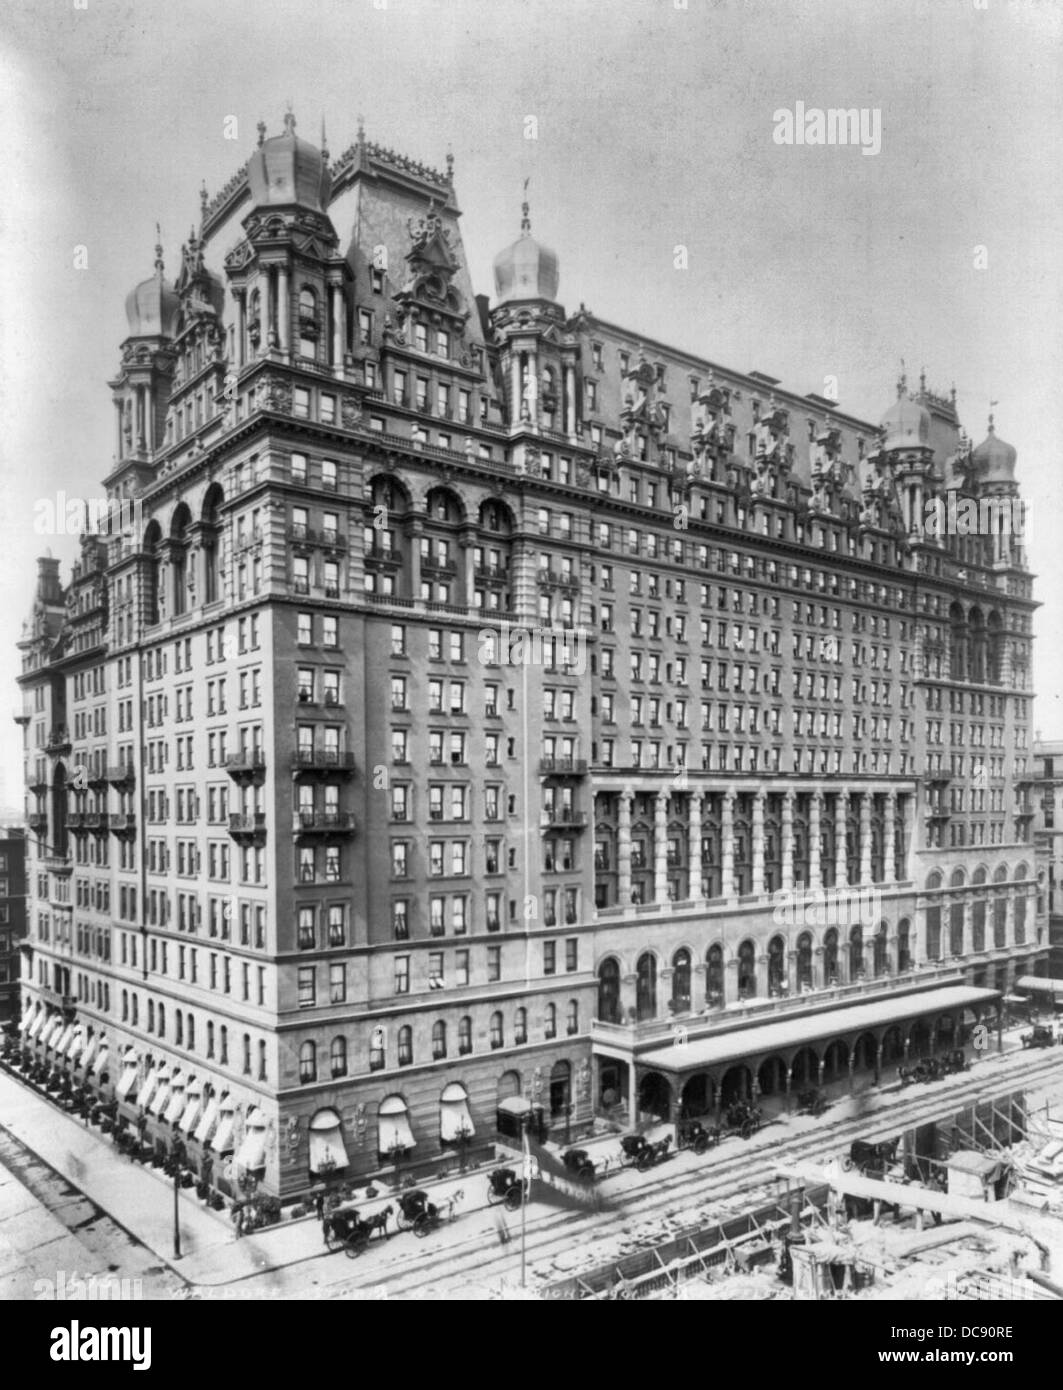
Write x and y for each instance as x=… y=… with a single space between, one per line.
x=378 y=1221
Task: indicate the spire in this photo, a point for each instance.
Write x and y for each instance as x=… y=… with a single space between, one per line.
x=902 y=382
x=158 y=250
x=992 y=430
x=261 y=133
x=450 y=165
x=203 y=198
x=361 y=131
x=525 y=220
x=289 y=120
x=324 y=140
x=922 y=382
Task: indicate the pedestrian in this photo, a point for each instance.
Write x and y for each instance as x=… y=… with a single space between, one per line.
x=238 y=1217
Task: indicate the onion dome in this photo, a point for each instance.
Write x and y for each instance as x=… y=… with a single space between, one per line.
x=906 y=425
x=993 y=460
x=152 y=308
x=286 y=170
x=526 y=270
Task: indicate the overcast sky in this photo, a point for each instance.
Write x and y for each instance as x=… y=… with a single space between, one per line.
x=655 y=125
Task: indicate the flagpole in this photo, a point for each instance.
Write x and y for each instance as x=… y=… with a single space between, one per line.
x=525 y=1185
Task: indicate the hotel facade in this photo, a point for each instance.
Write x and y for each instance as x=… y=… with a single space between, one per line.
x=494 y=711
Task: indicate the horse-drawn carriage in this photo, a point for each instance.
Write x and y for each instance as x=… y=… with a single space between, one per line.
x=954 y=1061
x=692 y=1134
x=1041 y=1035
x=504 y=1186
x=346 y=1230
x=580 y=1165
x=811 y=1101
x=422 y=1216
x=638 y=1152
x=742 y=1117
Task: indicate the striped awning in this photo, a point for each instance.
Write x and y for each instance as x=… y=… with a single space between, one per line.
x=207 y=1121
x=175 y=1103
x=193 y=1105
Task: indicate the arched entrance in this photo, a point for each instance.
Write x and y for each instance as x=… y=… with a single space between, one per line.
x=737 y=1084
x=919 y=1038
x=714 y=976
x=655 y=1095
x=830 y=958
x=893 y=1045
x=771 y=1076
x=646 y=986
x=747 y=970
x=681 y=981
x=776 y=966
x=698 y=1095
x=508 y=1085
x=946 y=1031
x=865 y=1051
x=805 y=1070
x=836 y=1060
x=804 y=960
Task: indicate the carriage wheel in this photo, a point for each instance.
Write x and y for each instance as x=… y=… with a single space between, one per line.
x=513 y=1198
x=644 y=1161
x=357 y=1243
x=748 y=1129
x=403 y=1222
x=847 y=1165
x=586 y=1174
x=332 y=1240
x=422 y=1225
x=701 y=1144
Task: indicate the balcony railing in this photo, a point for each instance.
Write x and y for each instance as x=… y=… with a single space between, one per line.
x=248 y=760
x=248 y=825
x=58 y=863
x=323 y=822
x=120 y=773
x=58 y=740
x=123 y=822
x=323 y=759
x=563 y=816
x=572 y=767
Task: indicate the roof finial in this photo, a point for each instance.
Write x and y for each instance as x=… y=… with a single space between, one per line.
x=361 y=130
x=158 y=249
x=203 y=197
x=922 y=381
x=450 y=165
x=902 y=383
x=525 y=220
x=991 y=405
x=324 y=139
x=289 y=119
x=261 y=132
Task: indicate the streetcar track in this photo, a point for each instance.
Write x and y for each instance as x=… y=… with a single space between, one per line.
x=552 y=1234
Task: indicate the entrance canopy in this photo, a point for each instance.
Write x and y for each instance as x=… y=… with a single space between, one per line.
x=1042 y=986
x=797 y=1030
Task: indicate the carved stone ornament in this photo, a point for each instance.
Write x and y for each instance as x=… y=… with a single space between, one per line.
x=292 y=1136
x=350 y=412
x=273 y=394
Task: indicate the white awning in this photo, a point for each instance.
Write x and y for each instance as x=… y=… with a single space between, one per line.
x=60 y=1044
x=455 y=1122
x=128 y=1080
x=159 y=1096
x=516 y=1105
x=327 y=1151
x=37 y=1024
x=175 y=1105
x=51 y=1028
x=222 y=1143
x=193 y=1102
x=1042 y=986
x=151 y=1081
x=251 y=1156
x=99 y=1061
x=207 y=1121
x=393 y=1124
x=89 y=1051
x=74 y=1046
x=26 y=1021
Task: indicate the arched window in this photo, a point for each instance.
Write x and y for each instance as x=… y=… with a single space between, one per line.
x=439 y=1040
x=777 y=981
x=681 y=981
x=184 y=592
x=377 y=1049
x=646 y=986
x=830 y=957
x=882 y=963
x=572 y=1018
x=904 y=945
x=957 y=644
x=520 y=1026
x=747 y=970
x=338 y=1057
x=714 y=976
x=804 y=960
x=162 y=1020
x=211 y=543
x=464 y=1036
x=1020 y=921
x=152 y=586
x=609 y=991
x=933 y=932
x=856 y=952
x=308 y=330
x=497 y=1036
x=551 y=1021
x=405 y=1046
x=307 y=1062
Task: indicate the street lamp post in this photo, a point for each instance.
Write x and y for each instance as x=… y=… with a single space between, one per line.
x=176 y=1162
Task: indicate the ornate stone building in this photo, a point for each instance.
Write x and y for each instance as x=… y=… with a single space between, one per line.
x=486 y=698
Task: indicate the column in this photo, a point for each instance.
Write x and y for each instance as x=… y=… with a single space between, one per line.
x=142 y=416
x=758 y=842
x=889 y=873
x=727 y=868
x=570 y=398
x=788 y=841
x=337 y=326
x=284 y=308
x=865 y=837
x=660 y=848
x=623 y=848
x=241 y=334
x=514 y=400
x=118 y=442
x=1009 y=921
x=841 y=811
x=694 y=845
x=467 y=545
x=265 y=327
x=815 y=870
x=968 y=926
x=533 y=375
x=414 y=533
